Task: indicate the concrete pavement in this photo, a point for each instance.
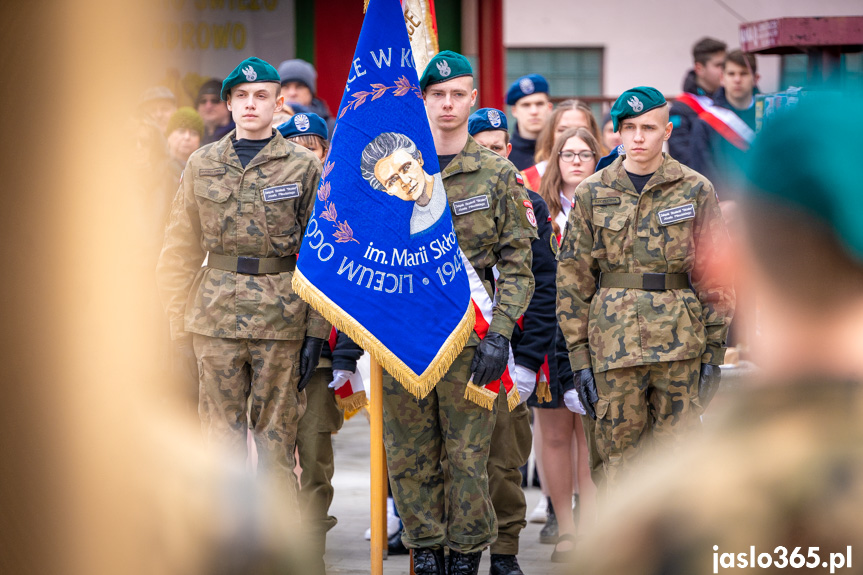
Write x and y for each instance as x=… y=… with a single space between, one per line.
x=348 y=551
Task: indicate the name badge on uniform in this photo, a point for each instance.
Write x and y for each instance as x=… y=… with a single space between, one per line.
x=606 y=201
x=278 y=193
x=213 y=171
x=678 y=214
x=469 y=205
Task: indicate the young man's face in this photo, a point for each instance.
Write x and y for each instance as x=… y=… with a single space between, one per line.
x=531 y=112
x=709 y=74
x=402 y=175
x=297 y=92
x=213 y=111
x=610 y=138
x=448 y=103
x=738 y=81
x=253 y=105
x=643 y=135
x=494 y=140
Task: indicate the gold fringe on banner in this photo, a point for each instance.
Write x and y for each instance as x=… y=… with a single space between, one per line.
x=418 y=385
x=430 y=30
x=353 y=404
x=481 y=396
x=513 y=398
x=543 y=392
x=365 y=6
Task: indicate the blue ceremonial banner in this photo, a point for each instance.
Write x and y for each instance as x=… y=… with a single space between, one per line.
x=380 y=258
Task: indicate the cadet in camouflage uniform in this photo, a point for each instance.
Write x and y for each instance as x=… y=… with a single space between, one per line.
x=486 y=199
x=243 y=203
x=777 y=477
x=532 y=341
x=645 y=229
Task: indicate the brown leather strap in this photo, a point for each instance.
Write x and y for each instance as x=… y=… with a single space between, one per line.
x=251 y=266
x=651 y=282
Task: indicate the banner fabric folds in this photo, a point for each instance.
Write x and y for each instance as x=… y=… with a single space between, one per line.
x=380 y=258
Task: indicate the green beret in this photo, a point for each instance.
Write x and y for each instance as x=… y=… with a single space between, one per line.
x=795 y=161
x=445 y=66
x=635 y=102
x=186 y=117
x=250 y=70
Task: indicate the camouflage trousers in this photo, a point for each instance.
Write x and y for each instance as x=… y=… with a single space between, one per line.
x=440 y=505
x=597 y=473
x=641 y=409
x=510 y=447
x=315 y=447
x=232 y=370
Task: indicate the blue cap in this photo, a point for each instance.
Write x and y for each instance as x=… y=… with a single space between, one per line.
x=525 y=86
x=486 y=119
x=304 y=125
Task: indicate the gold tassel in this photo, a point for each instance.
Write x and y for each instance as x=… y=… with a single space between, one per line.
x=365 y=6
x=430 y=28
x=417 y=385
x=480 y=396
x=543 y=392
x=513 y=398
x=351 y=405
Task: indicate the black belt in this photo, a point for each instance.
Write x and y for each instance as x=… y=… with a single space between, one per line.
x=649 y=281
x=251 y=266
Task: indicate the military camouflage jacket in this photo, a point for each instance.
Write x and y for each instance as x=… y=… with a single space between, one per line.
x=612 y=228
x=220 y=208
x=489 y=208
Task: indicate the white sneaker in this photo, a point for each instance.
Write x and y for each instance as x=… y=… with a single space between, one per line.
x=540 y=512
x=393 y=522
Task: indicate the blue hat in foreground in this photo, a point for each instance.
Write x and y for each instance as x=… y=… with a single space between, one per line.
x=250 y=70
x=525 y=86
x=304 y=125
x=635 y=102
x=443 y=67
x=794 y=162
x=486 y=119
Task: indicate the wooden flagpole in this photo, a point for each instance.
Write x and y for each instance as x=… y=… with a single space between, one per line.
x=378 y=470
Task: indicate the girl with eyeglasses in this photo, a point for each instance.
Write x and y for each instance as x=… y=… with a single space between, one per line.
x=562 y=439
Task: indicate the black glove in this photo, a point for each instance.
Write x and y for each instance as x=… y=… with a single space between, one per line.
x=585 y=385
x=708 y=383
x=309 y=357
x=489 y=361
x=185 y=361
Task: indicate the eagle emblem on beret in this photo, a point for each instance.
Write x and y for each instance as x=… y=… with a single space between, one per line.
x=302 y=122
x=494 y=118
x=526 y=85
x=635 y=104
x=250 y=73
x=443 y=68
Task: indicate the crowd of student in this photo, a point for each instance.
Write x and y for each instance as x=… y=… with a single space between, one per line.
x=556 y=148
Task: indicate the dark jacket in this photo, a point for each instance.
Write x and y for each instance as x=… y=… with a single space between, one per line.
x=522 y=150
x=345 y=355
x=320 y=108
x=680 y=145
x=531 y=344
x=218 y=133
x=719 y=160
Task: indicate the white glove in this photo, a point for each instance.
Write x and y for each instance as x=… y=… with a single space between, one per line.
x=340 y=377
x=525 y=381
x=570 y=399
